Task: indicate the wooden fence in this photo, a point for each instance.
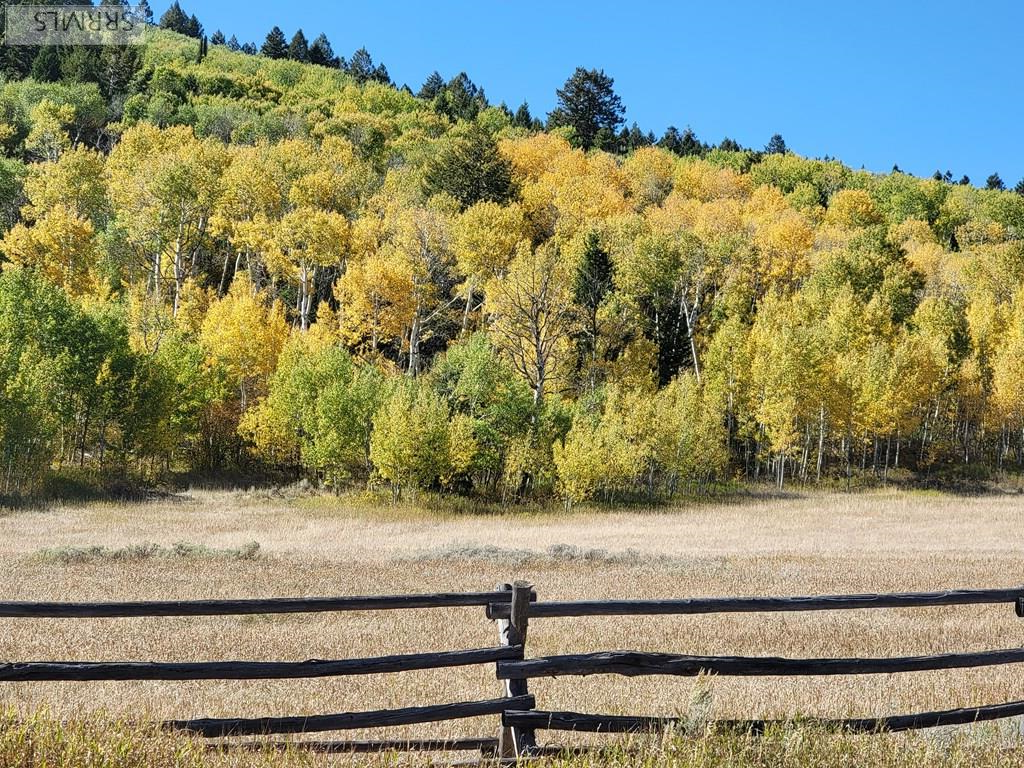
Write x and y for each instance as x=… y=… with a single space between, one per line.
x=511 y=606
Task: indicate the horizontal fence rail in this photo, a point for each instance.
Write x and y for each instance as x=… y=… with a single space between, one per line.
x=221 y=727
x=633 y=664
x=248 y=670
x=485 y=745
x=700 y=605
x=576 y=721
x=141 y=608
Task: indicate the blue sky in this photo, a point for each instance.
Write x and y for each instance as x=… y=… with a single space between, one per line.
x=927 y=85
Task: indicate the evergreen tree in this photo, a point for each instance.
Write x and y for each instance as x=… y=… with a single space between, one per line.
x=634 y=138
x=670 y=140
x=217 y=38
x=523 y=118
x=321 y=52
x=144 y=11
x=117 y=67
x=690 y=145
x=592 y=282
x=1019 y=189
x=275 y=46
x=46 y=65
x=432 y=86
x=994 y=182
x=776 y=145
x=460 y=99
x=588 y=104
x=469 y=167
x=174 y=19
x=361 y=67
x=81 y=65
x=251 y=49
x=233 y=44
x=298 y=49
x=730 y=145
x=194 y=28
x=965 y=180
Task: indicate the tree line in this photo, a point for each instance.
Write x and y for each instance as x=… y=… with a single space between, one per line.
x=250 y=263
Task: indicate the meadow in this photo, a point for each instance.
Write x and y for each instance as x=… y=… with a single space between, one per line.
x=205 y=544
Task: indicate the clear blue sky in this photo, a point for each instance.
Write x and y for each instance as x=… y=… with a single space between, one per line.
x=925 y=84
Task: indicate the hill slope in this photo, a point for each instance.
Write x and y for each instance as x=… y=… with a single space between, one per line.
x=246 y=263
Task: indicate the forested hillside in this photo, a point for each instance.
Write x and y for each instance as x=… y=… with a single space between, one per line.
x=214 y=262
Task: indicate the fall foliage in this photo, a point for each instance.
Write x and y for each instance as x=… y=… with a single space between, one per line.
x=275 y=266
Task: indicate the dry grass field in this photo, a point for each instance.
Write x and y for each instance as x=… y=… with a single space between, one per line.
x=313 y=545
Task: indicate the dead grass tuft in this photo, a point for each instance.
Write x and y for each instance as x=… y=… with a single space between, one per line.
x=146 y=551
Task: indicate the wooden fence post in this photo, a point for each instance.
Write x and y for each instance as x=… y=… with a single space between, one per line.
x=514 y=741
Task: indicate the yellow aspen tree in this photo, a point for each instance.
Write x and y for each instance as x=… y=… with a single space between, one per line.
x=305 y=240
x=484 y=240
x=165 y=185
x=61 y=246
x=243 y=334
x=531 y=315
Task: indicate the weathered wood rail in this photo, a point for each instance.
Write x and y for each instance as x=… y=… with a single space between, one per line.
x=511 y=606
x=634 y=664
x=249 y=670
x=382 y=718
x=581 y=608
x=145 y=608
x=576 y=721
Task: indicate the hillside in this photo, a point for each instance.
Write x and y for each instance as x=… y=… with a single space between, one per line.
x=229 y=263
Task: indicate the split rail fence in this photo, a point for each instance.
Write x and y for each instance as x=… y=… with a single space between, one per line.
x=512 y=607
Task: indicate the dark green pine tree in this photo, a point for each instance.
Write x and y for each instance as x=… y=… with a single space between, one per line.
x=776 y=145
x=690 y=145
x=523 y=118
x=251 y=49
x=298 y=48
x=233 y=44
x=432 y=86
x=634 y=139
x=217 y=38
x=460 y=99
x=361 y=66
x=81 y=65
x=592 y=282
x=46 y=65
x=1019 y=189
x=144 y=11
x=118 y=65
x=194 y=28
x=588 y=104
x=321 y=52
x=730 y=145
x=994 y=182
x=965 y=180
x=275 y=46
x=670 y=140
x=469 y=167
x=174 y=19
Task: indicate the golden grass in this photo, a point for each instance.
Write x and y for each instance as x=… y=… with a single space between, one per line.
x=803 y=544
